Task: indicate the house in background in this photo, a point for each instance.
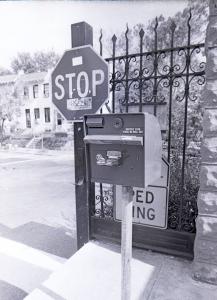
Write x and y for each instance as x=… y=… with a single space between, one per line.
x=32 y=93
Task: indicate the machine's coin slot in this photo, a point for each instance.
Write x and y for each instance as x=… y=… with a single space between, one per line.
x=94 y=122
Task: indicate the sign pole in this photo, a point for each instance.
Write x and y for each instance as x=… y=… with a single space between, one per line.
x=81 y=35
x=126 y=242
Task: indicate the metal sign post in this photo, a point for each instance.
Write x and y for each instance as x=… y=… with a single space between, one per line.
x=126 y=242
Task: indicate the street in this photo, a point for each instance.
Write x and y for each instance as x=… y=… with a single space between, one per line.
x=37 y=223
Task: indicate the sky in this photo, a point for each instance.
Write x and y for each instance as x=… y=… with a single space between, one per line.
x=29 y=26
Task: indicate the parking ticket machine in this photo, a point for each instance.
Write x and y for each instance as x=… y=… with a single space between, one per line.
x=123 y=149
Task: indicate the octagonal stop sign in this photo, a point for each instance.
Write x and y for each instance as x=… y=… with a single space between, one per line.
x=80 y=83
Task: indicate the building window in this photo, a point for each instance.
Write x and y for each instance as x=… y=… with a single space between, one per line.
x=59 y=119
x=35 y=91
x=47 y=114
x=26 y=92
x=37 y=113
x=28 y=118
x=46 y=90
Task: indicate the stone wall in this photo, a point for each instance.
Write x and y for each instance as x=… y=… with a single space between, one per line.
x=205 y=248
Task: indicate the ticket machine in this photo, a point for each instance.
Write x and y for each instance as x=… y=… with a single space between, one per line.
x=123 y=149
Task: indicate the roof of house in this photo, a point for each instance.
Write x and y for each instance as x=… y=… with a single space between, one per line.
x=37 y=76
x=5 y=79
x=28 y=77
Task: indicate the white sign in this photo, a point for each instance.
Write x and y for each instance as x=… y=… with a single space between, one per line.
x=79 y=104
x=150 y=205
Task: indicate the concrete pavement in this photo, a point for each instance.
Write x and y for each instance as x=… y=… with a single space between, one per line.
x=23 y=268
x=94 y=273
x=37 y=225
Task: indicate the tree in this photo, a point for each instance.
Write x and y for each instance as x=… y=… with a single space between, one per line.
x=45 y=61
x=9 y=106
x=38 y=62
x=23 y=62
x=198 y=24
x=4 y=71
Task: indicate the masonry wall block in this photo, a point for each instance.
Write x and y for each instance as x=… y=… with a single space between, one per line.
x=207 y=203
x=205 y=247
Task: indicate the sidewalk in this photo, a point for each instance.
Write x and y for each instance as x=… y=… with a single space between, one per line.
x=94 y=273
x=23 y=268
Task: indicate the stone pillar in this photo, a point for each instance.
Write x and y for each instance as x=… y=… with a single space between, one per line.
x=205 y=248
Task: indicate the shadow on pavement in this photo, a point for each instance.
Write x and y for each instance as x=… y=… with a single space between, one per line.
x=11 y=292
x=57 y=241
x=4 y=230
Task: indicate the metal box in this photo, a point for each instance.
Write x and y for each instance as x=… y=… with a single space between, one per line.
x=123 y=149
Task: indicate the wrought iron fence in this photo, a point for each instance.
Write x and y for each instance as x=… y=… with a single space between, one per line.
x=166 y=82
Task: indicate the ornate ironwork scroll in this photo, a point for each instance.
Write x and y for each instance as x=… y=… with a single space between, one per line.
x=171 y=78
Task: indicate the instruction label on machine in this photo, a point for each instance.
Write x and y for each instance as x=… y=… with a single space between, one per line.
x=135 y=130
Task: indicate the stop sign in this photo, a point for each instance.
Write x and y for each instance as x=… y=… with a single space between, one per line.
x=80 y=83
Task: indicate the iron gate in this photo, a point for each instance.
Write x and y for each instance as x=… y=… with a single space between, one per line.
x=166 y=82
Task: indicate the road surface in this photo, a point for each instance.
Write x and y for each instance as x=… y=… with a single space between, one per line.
x=37 y=218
